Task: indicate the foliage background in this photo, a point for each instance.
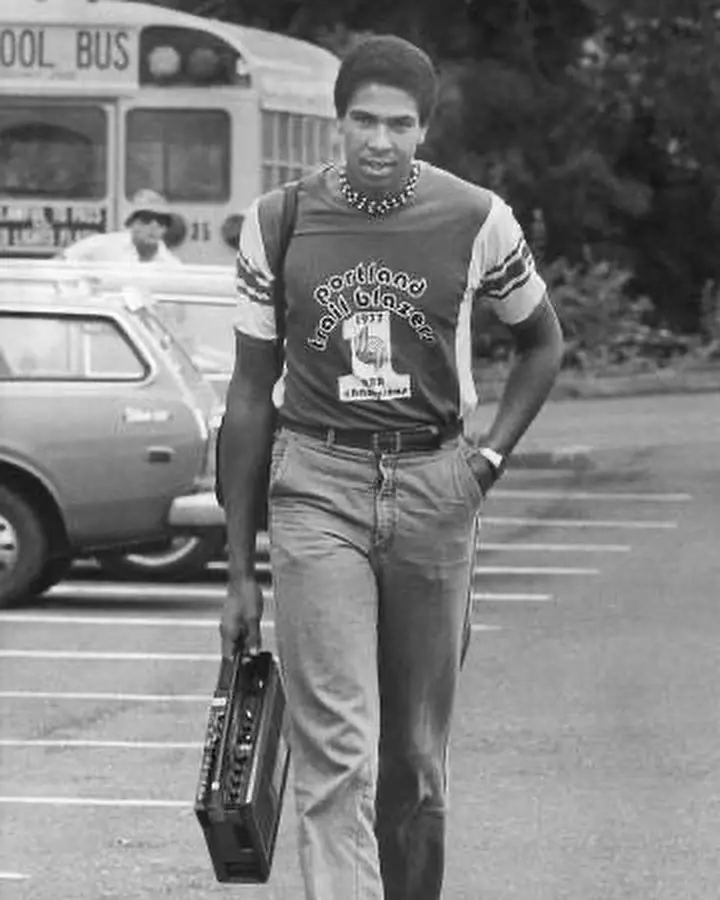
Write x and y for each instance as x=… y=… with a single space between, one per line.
x=598 y=120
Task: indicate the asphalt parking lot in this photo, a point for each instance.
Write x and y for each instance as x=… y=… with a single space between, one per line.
x=586 y=734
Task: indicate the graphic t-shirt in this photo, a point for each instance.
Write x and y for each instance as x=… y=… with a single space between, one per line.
x=378 y=310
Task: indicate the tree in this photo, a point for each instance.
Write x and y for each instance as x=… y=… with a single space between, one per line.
x=603 y=114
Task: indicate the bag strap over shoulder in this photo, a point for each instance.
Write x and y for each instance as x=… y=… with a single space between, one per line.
x=287 y=227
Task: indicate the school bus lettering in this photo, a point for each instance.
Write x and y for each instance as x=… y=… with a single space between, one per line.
x=103 y=50
x=74 y=54
x=23 y=48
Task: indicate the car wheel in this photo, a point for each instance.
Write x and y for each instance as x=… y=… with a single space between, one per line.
x=23 y=548
x=183 y=557
x=53 y=571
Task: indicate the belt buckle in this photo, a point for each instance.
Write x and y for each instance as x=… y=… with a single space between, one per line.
x=380 y=441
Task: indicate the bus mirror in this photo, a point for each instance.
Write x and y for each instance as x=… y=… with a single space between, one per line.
x=176 y=231
x=230 y=230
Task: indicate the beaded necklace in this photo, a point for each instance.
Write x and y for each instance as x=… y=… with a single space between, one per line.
x=378 y=208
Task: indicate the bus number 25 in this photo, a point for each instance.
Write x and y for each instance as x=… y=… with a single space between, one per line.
x=200 y=231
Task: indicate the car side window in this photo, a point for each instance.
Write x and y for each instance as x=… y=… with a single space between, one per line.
x=46 y=347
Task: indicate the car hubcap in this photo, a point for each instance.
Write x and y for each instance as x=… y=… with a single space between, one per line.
x=8 y=547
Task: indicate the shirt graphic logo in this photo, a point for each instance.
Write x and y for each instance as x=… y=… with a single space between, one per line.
x=369 y=287
x=365 y=301
x=373 y=376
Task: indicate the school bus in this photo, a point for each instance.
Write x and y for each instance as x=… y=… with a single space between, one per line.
x=102 y=98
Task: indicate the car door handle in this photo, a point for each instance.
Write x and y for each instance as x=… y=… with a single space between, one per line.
x=160 y=454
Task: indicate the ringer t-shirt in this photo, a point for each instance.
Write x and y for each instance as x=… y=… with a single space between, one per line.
x=378 y=311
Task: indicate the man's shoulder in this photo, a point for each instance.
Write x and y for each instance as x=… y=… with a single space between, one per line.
x=457 y=193
x=269 y=205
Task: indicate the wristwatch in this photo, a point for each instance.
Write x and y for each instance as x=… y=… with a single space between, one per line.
x=496 y=460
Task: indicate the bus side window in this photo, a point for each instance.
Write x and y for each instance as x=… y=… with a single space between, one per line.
x=293 y=144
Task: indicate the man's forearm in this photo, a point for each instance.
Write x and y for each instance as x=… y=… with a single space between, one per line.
x=539 y=351
x=529 y=383
x=244 y=451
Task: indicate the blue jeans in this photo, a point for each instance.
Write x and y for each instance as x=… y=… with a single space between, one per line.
x=372 y=558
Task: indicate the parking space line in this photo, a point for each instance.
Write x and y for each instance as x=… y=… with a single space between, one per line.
x=108 y=590
x=539 y=521
x=152 y=621
x=534 y=570
x=640 y=497
x=108 y=656
x=133 y=621
x=101 y=745
x=115 y=656
x=97 y=801
x=134 y=591
x=104 y=697
x=512 y=598
x=13 y=876
x=554 y=548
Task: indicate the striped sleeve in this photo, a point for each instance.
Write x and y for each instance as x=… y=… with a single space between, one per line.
x=502 y=269
x=255 y=314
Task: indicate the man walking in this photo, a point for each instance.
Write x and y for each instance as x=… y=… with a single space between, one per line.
x=376 y=481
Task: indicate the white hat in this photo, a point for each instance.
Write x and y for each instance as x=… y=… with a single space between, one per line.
x=151 y=202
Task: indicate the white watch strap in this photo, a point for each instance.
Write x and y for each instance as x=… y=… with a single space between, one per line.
x=492 y=456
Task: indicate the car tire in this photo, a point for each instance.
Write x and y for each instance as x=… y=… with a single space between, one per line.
x=53 y=571
x=184 y=557
x=23 y=548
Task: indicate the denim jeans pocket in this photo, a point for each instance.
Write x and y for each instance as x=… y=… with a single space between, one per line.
x=466 y=474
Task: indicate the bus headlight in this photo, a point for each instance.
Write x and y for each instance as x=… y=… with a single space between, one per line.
x=230 y=230
x=164 y=62
x=203 y=64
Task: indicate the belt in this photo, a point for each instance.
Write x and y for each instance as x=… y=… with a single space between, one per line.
x=406 y=440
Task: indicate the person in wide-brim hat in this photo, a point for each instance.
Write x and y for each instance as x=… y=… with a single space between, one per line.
x=148 y=206
x=142 y=240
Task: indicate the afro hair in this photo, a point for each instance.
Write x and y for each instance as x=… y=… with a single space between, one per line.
x=389 y=60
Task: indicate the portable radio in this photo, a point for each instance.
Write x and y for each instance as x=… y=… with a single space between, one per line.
x=244 y=769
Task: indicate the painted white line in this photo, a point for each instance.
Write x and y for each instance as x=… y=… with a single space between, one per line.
x=555 y=548
x=104 y=698
x=97 y=801
x=511 y=598
x=13 y=876
x=138 y=591
x=103 y=745
x=130 y=621
x=111 y=656
x=521 y=494
x=534 y=570
x=574 y=523
x=148 y=621
x=108 y=656
x=221 y=566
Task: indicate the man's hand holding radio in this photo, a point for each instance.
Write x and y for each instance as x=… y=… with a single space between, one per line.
x=241 y=615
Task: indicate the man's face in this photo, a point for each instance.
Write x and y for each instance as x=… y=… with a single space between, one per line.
x=381 y=131
x=147 y=232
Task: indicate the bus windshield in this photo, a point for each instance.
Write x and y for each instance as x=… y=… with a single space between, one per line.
x=183 y=153
x=53 y=150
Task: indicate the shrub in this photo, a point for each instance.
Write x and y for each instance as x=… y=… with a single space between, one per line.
x=602 y=324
